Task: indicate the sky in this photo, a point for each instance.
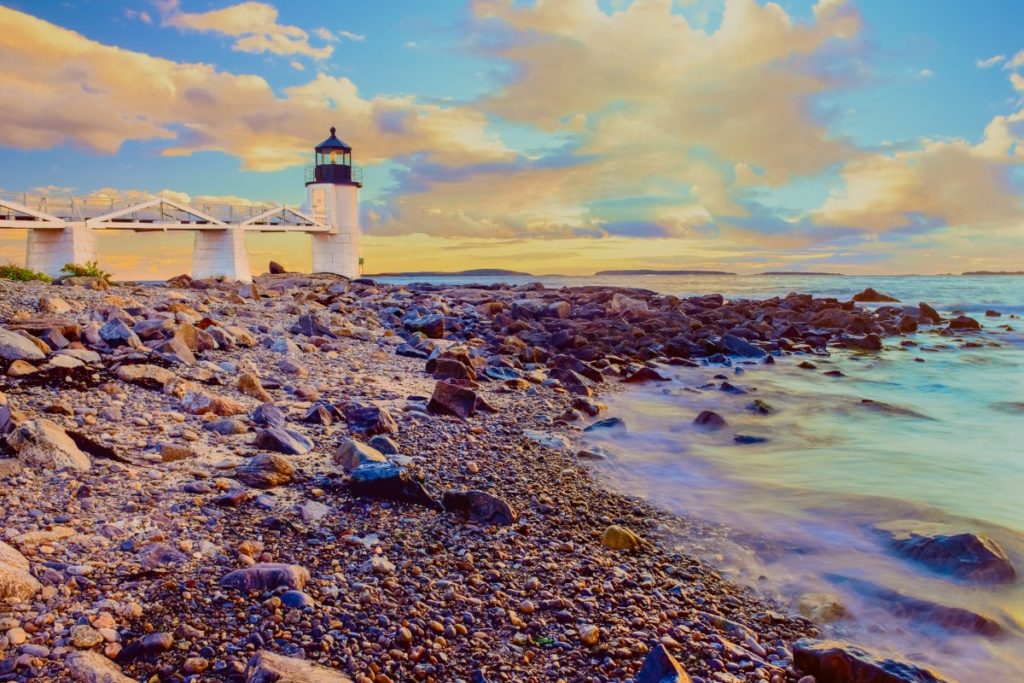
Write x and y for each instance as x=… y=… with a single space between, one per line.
x=551 y=136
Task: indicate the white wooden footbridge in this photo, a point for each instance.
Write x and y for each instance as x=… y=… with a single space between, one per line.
x=62 y=228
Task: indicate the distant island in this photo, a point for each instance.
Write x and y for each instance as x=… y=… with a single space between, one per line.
x=994 y=272
x=478 y=272
x=662 y=272
x=798 y=272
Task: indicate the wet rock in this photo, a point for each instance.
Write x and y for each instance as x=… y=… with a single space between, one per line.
x=607 y=423
x=146 y=647
x=267 y=667
x=831 y=661
x=821 y=608
x=15 y=579
x=965 y=555
x=908 y=323
x=869 y=342
x=43 y=443
x=710 y=420
x=749 y=439
x=661 y=667
x=16 y=347
x=993 y=314
x=369 y=419
x=276 y=268
x=740 y=347
x=265 y=471
x=760 y=407
x=963 y=322
x=646 y=375
x=92 y=667
x=929 y=313
x=352 y=454
x=871 y=295
x=282 y=440
x=267 y=576
x=480 y=506
x=452 y=399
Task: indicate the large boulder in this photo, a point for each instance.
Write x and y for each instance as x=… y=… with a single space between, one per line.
x=15 y=579
x=831 y=661
x=871 y=295
x=15 y=347
x=267 y=667
x=266 y=576
x=452 y=399
x=941 y=547
x=43 y=443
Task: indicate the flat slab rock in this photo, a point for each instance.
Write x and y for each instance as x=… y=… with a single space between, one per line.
x=832 y=661
x=43 y=443
x=267 y=667
x=92 y=667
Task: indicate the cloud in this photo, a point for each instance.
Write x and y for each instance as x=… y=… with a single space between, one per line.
x=253 y=25
x=61 y=87
x=990 y=62
x=1016 y=61
x=142 y=16
x=357 y=37
x=941 y=184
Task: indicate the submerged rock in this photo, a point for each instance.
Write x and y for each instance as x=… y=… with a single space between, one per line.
x=710 y=420
x=831 y=661
x=965 y=555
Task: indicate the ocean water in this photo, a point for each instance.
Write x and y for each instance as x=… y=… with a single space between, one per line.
x=795 y=515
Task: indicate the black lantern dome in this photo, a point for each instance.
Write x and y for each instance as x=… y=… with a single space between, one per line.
x=334 y=164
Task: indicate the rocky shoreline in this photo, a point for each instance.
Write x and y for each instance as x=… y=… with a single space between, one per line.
x=198 y=478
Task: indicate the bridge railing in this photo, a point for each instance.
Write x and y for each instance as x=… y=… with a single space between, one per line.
x=81 y=207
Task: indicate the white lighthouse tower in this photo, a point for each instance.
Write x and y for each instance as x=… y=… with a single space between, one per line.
x=333 y=186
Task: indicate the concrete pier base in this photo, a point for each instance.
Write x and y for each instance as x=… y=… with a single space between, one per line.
x=221 y=253
x=48 y=250
x=336 y=253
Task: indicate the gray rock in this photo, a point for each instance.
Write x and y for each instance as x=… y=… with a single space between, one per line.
x=117 y=333
x=385 y=444
x=267 y=576
x=42 y=443
x=15 y=347
x=741 y=347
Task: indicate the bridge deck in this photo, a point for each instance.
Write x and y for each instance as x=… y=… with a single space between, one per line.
x=147 y=213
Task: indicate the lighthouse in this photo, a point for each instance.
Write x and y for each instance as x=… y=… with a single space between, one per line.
x=332 y=188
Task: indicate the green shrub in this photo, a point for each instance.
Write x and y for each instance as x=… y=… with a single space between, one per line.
x=90 y=269
x=19 y=274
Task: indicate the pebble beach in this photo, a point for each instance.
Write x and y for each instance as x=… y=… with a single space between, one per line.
x=314 y=479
